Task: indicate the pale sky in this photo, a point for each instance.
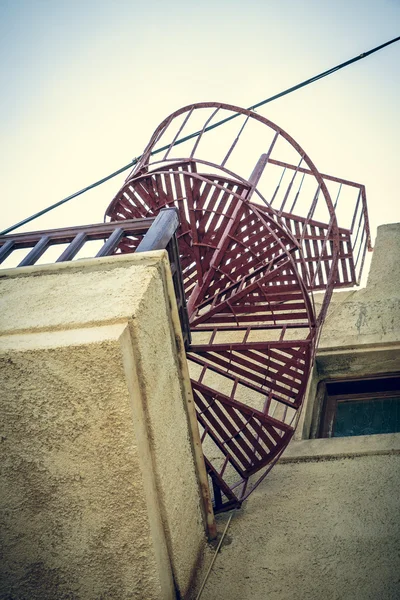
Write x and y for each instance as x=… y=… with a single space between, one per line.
x=85 y=83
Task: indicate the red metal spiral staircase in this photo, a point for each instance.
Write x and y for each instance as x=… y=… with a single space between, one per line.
x=253 y=250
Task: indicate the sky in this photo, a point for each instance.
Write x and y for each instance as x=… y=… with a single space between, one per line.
x=84 y=85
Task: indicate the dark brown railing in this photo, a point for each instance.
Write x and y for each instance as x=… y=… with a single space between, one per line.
x=135 y=235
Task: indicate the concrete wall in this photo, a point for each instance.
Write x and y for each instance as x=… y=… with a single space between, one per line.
x=101 y=479
x=325 y=523
x=316 y=529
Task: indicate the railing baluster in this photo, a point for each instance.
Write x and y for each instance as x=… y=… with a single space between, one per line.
x=6 y=250
x=36 y=252
x=297 y=194
x=355 y=211
x=359 y=249
x=337 y=197
x=235 y=141
x=202 y=131
x=73 y=247
x=178 y=133
x=278 y=186
x=286 y=196
x=111 y=243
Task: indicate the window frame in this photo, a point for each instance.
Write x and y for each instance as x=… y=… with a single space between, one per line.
x=329 y=402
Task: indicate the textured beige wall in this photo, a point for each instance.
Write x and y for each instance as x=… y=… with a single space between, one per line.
x=100 y=491
x=315 y=530
x=75 y=519
x=325 y=522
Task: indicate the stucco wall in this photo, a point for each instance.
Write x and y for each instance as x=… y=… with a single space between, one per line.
x=101 y=491
x=316 y=529
x=325 y=522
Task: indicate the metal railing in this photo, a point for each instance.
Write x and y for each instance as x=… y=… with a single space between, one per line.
x=135 y=235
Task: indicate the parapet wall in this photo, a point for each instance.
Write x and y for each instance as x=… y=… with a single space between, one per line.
x=102 y=484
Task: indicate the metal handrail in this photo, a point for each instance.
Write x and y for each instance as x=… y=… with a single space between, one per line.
x=142 y=235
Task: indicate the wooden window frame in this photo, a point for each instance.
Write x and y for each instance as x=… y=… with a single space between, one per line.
x=330 y=401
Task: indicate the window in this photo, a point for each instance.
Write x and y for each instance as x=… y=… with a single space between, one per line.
x=360 y=407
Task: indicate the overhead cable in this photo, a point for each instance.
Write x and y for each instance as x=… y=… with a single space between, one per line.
x=197 y=133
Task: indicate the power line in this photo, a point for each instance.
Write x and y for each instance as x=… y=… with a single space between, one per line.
x=195 y=134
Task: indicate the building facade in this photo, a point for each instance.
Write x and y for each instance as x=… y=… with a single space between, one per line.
x=325 y=522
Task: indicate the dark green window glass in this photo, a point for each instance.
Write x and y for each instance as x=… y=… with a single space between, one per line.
x=366 y=417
